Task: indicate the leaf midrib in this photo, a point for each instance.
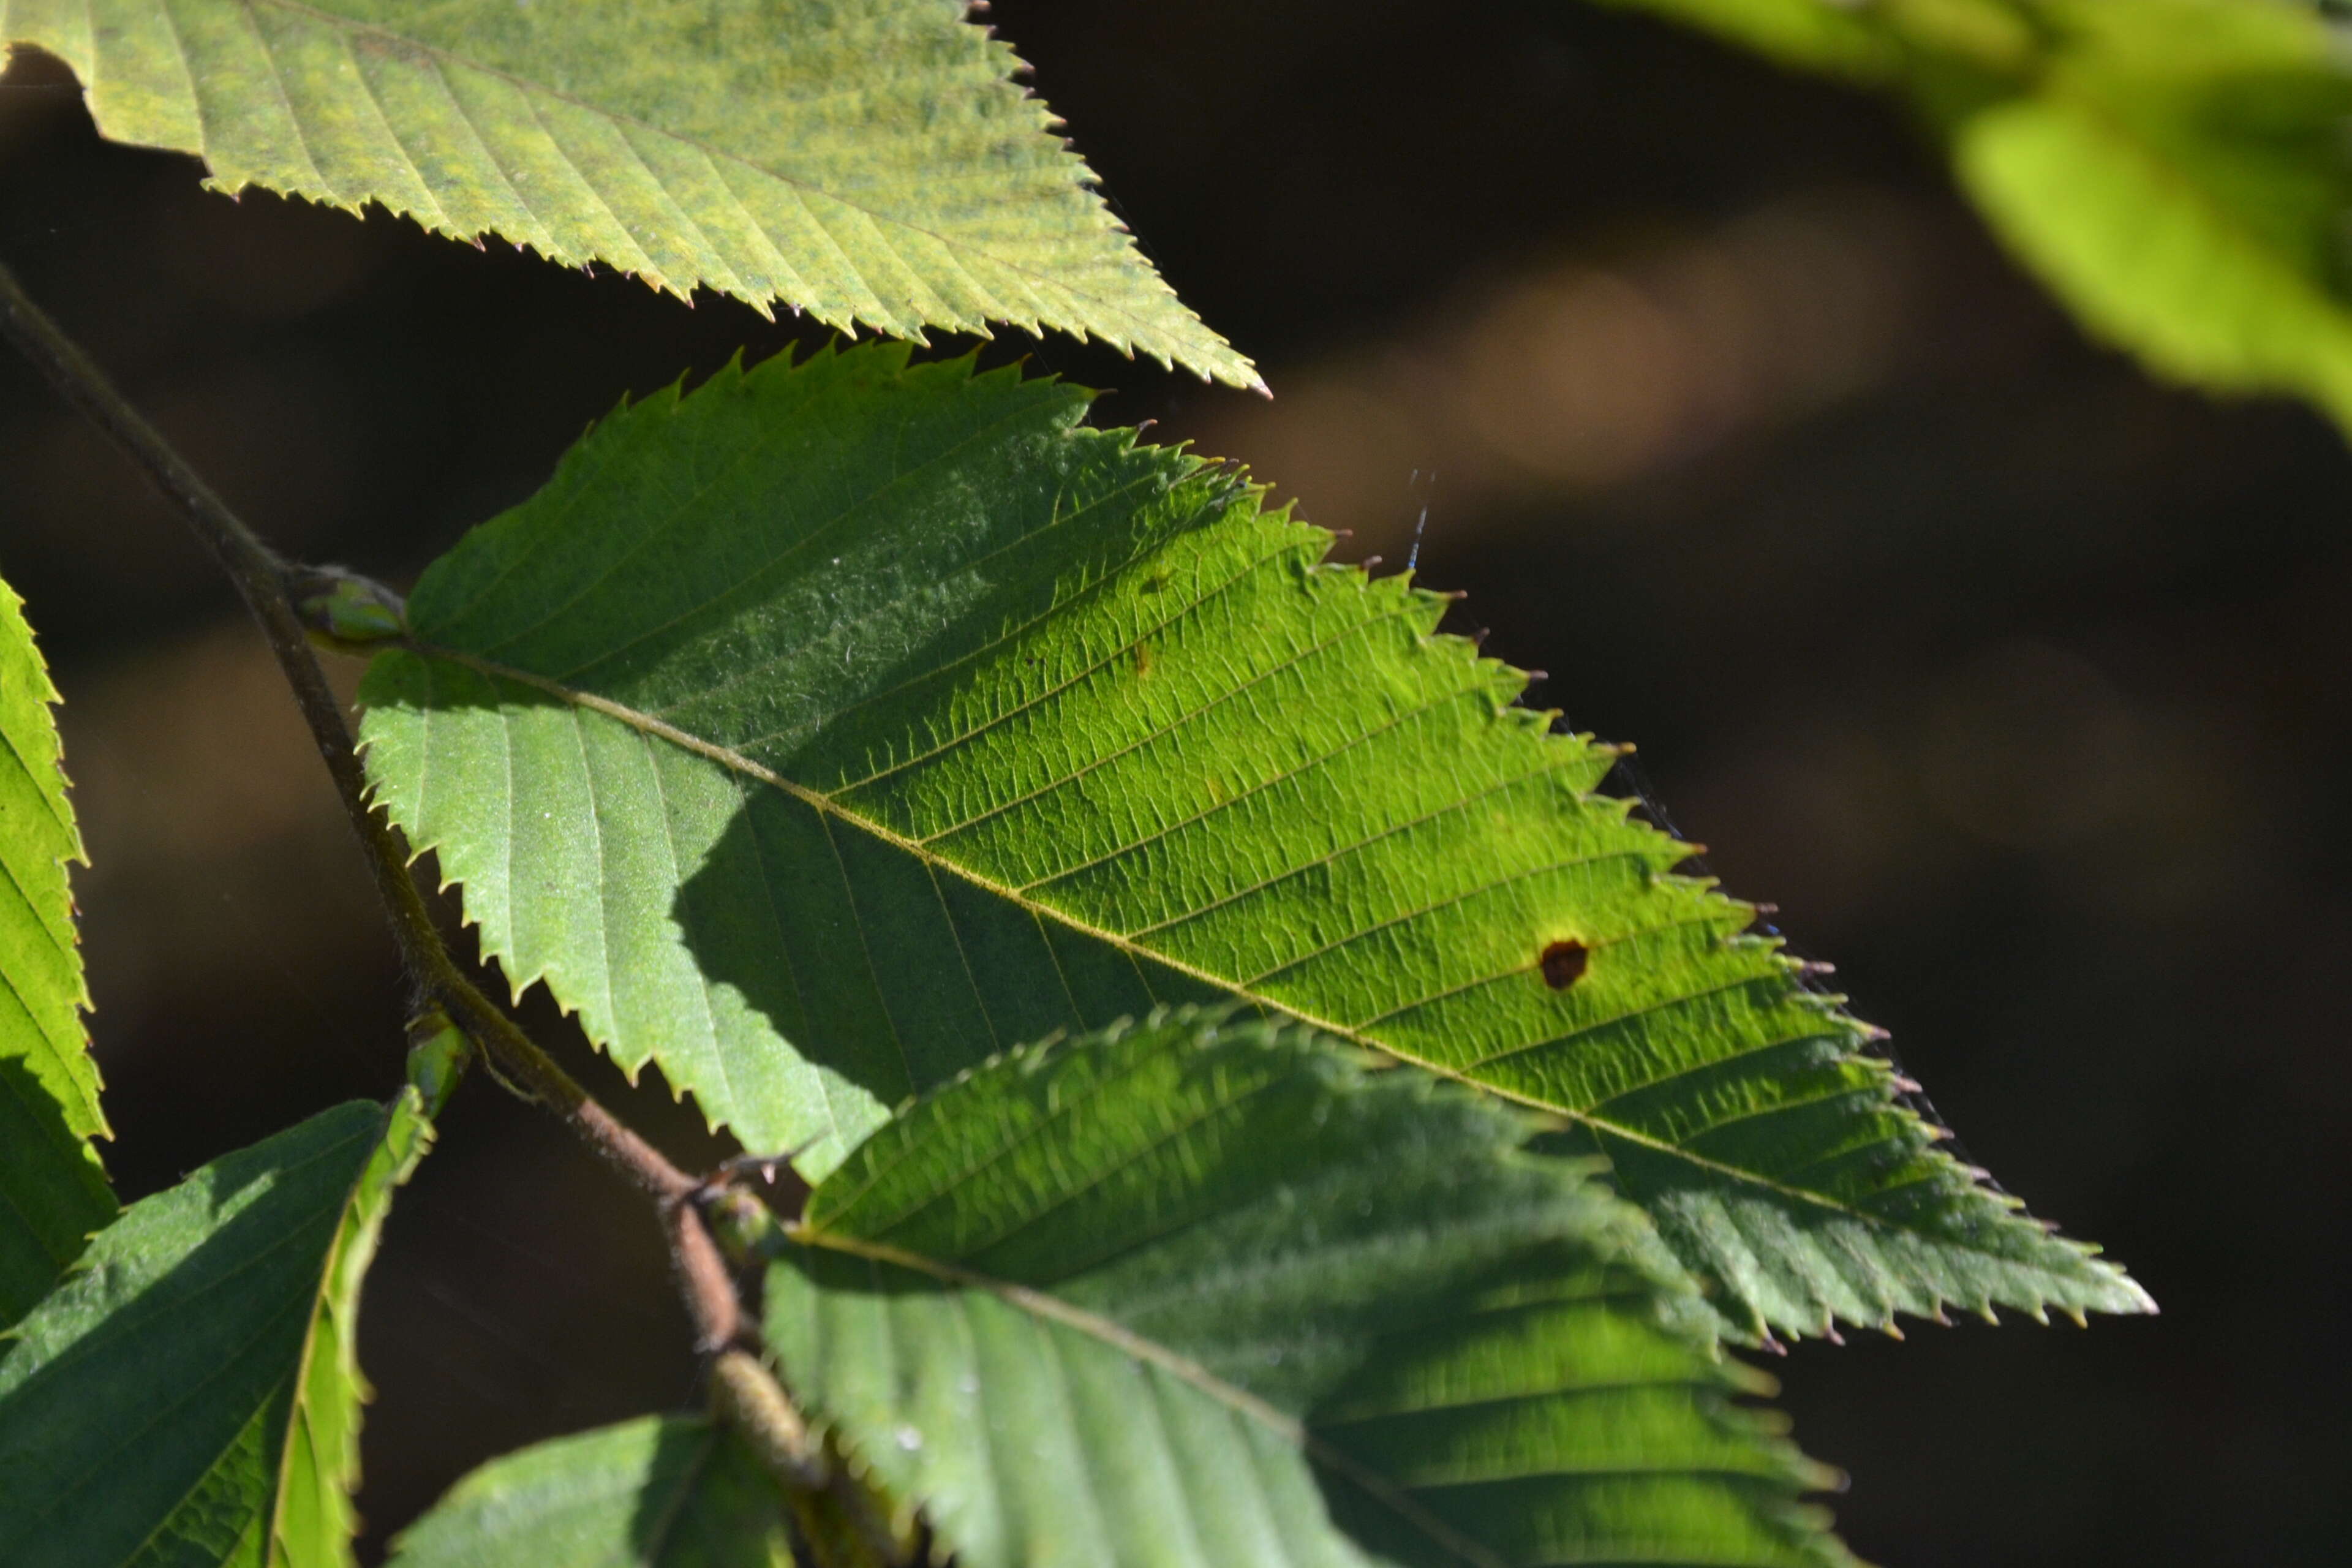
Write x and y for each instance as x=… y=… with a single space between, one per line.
x=1116 y=1336
x=827 y=806
x=322 y=1304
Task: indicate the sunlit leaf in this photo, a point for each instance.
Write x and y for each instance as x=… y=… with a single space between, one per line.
x=52 y=1193
x=820 y=733
x=866 y=161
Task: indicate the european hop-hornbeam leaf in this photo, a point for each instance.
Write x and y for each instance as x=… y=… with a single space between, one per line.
x=659 y=1492
x=2176 y=170
x=53 y=1193
x=821 y=734
x=866 y=161
x=189 y=1393
x=1207 y=1296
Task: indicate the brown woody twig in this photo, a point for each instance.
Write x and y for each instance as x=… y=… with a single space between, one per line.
x=746 y=1392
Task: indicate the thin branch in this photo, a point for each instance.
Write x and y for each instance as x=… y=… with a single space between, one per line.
x=742 y=1389
x=704 y=1279
x=747 y=1391
x=839 y=1518
x=260 y=578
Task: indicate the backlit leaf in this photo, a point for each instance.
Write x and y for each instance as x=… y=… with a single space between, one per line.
x=818 y=734
x=869 y=162
x=2176 y=170
x=53 y=1193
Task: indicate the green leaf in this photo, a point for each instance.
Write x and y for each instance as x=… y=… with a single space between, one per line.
x=866 y=160
x=1205 y=1297
x=819 y=734
x=53 y=1193
x=189 y=1395
x=314 y=1521
x=659 y=1492
x=2176 y=170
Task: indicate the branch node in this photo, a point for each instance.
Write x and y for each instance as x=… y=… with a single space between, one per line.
x=747 y=1397
x=344 y=611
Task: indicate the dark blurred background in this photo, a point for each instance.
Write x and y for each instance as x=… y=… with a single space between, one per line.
x=2022 y=685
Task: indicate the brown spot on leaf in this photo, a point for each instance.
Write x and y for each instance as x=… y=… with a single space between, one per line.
x=1562 y=964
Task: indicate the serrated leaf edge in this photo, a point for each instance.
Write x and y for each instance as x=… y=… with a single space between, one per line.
x=735 y=761
x=1222 y=364
x=1734 y=1378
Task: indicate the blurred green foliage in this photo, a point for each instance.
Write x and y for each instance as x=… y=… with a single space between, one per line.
x=2179 y=172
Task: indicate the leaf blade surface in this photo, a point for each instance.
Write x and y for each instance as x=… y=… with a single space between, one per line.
x=817 y=735
x=870 y=162
x=53 y=1192
x=189 y=1395
x=1193 y=1295
x=659 y=1492
x=314 y=1521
